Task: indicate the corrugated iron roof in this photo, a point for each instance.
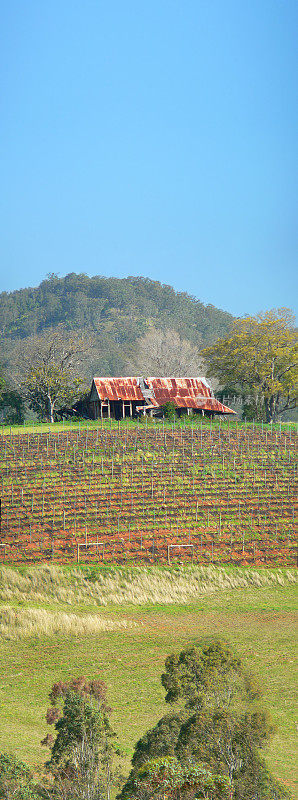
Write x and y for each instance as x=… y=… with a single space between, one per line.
x=216 y=406
x=183 y=392
x=186 y=393
x=118 y=389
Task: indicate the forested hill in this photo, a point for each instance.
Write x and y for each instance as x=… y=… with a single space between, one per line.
x=118 y=311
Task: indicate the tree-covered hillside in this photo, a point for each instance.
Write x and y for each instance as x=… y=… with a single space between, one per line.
x=117 y=312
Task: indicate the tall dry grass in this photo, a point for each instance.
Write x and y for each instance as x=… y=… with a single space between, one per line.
x=20 y=623
x=138 y=585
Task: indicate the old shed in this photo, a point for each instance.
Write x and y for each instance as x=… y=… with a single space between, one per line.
x=129 y=396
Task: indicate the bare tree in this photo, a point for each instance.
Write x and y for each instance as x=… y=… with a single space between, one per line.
x=164 y=353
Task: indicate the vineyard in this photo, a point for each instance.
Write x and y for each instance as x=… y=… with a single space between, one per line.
x=212 y=492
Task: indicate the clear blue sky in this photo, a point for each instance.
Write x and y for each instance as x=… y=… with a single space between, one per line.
x=152 y=138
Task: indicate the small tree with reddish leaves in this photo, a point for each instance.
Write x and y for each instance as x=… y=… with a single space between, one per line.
x=83 y=752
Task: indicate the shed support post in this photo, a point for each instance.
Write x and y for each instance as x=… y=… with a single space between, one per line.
x=109 y=410
x=100 y=409
x=123 y=409
x=130 y=408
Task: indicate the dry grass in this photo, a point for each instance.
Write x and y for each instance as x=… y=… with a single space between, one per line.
x=20 y=623
x=138 y=586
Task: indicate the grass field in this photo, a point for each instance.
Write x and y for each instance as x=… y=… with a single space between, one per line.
x=155 y=615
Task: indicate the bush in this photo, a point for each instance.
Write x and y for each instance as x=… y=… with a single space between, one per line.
x=12 y=408
x=16 y=780
x=169 y=410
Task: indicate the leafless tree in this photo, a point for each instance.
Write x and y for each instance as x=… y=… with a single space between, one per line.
x=163 y=353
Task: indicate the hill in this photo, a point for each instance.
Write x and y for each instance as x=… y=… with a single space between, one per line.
x=117 y=311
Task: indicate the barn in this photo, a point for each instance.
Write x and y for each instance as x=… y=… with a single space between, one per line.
x=131 y=396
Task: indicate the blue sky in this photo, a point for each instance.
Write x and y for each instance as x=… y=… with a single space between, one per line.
x=152 y=138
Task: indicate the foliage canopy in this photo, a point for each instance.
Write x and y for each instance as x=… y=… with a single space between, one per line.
x=259 y=355
x=16 y=780
x=49 y=365
x=218 y=735
x=82 y=755
x=209 y=675
x=169 y=778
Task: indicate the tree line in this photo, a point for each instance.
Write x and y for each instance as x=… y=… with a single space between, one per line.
x=209 y=745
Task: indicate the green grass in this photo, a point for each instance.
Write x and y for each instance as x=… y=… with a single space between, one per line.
x=184 y=421
x=258 y=621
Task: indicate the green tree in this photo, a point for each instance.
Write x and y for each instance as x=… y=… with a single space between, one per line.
x=168 y=779
x=83 y=753
x=12 y=407
x=221 y=728
x=2 y=383
x=16 y=780
x=11 y=401
x=259 y=355
x=209 y=675
x=48 y=369
x=157 y=743
x=228 y=742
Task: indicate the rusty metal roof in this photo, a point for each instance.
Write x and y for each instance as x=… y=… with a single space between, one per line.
x=216 y=406
x=118 y=389
x=186 y=393
x=183 y=392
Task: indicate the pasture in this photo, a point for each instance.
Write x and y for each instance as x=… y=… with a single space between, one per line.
x=119 y=624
